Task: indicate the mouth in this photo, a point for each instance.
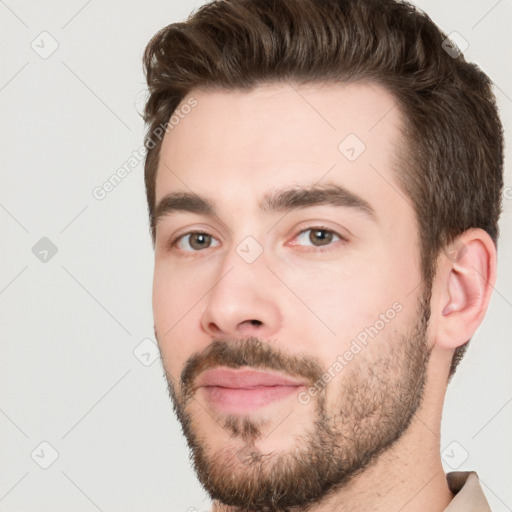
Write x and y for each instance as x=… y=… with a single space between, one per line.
x=243 y=391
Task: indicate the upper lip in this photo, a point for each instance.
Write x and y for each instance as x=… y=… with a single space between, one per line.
x=244 y=379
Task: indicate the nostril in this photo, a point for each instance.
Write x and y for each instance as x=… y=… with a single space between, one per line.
x=255 y=322
x=213 y=327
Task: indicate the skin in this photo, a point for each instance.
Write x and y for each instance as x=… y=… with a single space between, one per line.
x=311 y=301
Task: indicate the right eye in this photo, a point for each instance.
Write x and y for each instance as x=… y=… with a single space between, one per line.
x=194 y=241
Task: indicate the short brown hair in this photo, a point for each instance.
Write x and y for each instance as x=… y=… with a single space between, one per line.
x=452 y=167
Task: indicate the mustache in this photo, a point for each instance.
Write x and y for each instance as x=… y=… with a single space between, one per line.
x=250 y=352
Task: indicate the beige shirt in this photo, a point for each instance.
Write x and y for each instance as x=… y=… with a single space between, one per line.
x=469 y=496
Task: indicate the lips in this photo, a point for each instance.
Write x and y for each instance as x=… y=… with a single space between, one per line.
x=242 y=391
x=243 y=379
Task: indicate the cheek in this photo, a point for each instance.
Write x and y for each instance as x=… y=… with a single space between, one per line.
x=338 y=298
x=169 y=295
x=176 y=306
x=335 y=303
x=179 y=291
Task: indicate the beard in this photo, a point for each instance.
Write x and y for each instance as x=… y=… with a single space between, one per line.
x=369 y=411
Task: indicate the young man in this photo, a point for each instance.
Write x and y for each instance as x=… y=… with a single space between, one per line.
x=323 y=181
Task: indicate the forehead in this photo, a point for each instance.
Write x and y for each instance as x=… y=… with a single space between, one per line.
x=237 y=145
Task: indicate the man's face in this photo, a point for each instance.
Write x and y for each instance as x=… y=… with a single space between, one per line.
x=292 y=327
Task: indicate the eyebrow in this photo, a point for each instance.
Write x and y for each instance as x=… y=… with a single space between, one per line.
x=278 y=201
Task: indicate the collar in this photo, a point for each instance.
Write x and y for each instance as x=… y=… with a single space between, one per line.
x=468 y=494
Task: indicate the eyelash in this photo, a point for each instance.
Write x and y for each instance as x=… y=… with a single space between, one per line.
x=313 y=248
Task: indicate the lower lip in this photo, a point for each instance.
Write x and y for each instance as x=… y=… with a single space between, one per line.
x=242 y=400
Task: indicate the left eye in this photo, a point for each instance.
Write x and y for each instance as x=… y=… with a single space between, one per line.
x=317 y=237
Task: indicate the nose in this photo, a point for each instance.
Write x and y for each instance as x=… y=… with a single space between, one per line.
x=242 y=301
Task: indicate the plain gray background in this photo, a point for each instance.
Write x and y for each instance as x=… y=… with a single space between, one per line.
x=76 y=326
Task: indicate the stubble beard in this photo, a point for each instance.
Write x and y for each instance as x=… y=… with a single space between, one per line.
x=379 y=398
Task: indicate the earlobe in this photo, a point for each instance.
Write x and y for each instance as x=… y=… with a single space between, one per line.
x=467 y=277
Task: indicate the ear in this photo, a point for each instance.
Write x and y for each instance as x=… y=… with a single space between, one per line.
x=465 y=278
